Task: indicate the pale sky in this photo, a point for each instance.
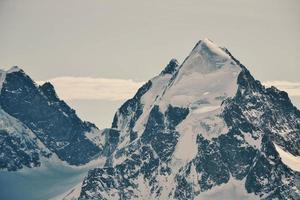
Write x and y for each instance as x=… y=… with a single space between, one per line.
x=104 y=45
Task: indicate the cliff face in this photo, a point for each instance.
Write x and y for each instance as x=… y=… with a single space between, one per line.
x=34 y=118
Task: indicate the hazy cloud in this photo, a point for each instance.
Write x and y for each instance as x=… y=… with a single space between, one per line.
x=87 y=88
x=292 y=88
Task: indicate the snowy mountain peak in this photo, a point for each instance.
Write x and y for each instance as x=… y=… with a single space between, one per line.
x=49 y=118
x=14 y=69
x=208 y=73
x=206 y=57
x=2 y=78
x=197 y=133
x=208 y=46
x=4 y=72
x=49 y=91
x=171 y=68
x=200 y=84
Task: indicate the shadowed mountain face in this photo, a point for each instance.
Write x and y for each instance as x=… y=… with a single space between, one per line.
x=198 y=130
x=35 y=120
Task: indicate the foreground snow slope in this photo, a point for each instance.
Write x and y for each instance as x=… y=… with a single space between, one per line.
x=50 y=181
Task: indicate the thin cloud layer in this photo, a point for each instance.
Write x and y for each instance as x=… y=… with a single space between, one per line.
x=87 y=88
x=292 y=88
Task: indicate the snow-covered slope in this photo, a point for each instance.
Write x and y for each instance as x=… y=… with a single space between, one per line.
x=18 y=144
x=199 y=128
x=53 y=180
x=289 y=159
x=35 y=123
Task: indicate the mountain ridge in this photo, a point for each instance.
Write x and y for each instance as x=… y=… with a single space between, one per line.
x=50 y=121
x=209 y=124
x=203 y=129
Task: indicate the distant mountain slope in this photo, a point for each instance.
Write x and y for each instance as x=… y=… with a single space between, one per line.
x=205 y=129
x=18 y=145
x=44 y=119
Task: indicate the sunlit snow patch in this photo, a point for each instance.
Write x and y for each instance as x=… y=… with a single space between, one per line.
x=207 y=68
x=288 y=159
x=206 y=109
x=233 y=190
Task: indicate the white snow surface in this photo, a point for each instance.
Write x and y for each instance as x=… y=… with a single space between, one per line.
x=233 y=190
x=288 y=159
x=255 y=143
x=205 y=79
x=96 y=136
x=159 y=83
x=55 y=179
x=204 y=109
x=13 y=69
x=51 y=180
x=4 y=72
x=2 y=78
x=14 y=127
